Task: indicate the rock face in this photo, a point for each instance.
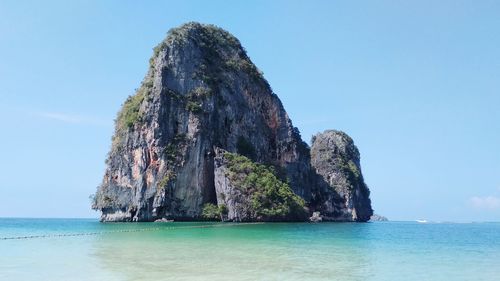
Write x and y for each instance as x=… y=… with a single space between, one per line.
x=335 y=159
x=316 y=217
x=201 y=96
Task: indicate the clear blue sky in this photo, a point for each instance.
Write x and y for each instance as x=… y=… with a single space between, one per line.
x=415 y=83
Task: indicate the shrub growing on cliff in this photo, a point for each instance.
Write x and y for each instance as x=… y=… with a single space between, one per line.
x=213 y=212
x=244 y=64
x=156 y=52
x=349 y=169
x=193 y=107
x=199 y=93
x=171 y=152
x=271 y=198
x=163 y=182
x=353 y=169
x=195 y=97
x=129 y=114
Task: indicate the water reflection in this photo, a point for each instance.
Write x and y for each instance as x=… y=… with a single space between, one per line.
x=269 y=251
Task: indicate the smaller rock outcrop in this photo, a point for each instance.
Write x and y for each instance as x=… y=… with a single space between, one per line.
x=376 y=217
x=316 y=217
x=164 y=220
x=337 y=163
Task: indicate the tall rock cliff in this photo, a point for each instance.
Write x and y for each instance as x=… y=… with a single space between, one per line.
x=202 y=96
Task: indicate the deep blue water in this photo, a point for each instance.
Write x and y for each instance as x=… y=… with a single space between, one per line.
x=279 y=251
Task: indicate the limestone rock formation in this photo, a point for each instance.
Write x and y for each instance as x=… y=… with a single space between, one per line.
x=336 y=160
x=201 y=96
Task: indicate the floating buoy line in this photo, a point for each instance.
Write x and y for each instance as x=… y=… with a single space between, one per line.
x=124 y=231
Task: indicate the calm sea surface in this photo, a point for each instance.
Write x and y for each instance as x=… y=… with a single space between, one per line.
x=279 y=251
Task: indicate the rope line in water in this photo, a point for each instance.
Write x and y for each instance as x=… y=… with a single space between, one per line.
x=122 y=230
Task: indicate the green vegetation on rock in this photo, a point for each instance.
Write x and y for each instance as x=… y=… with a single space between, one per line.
x=156 y=52
x=349 y=169
x=163 y=182
x=175 y=95
x=213 y=212
x=130 y=114
x=194 y=107
x=99 y=200
x=244 y=64
x=353 y=169
x=171 y=150
x=195 y=99
x=199 y=93
x=271 y=198
x=168 y=177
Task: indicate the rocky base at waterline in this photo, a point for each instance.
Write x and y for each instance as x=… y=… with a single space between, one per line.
x=376 y=217
x=316 y=217
x=205 y=137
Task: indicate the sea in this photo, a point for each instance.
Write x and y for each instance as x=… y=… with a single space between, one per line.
x=85 y=249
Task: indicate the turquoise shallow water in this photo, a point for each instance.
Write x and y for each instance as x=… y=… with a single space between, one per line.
x=280 y=251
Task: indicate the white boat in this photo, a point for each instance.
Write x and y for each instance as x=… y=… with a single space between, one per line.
x=422 y=221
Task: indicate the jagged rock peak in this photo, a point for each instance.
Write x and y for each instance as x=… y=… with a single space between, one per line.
x=218 y=49
x=338 y=139
x=202 y=34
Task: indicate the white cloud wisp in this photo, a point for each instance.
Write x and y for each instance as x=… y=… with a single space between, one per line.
x=486 y=202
